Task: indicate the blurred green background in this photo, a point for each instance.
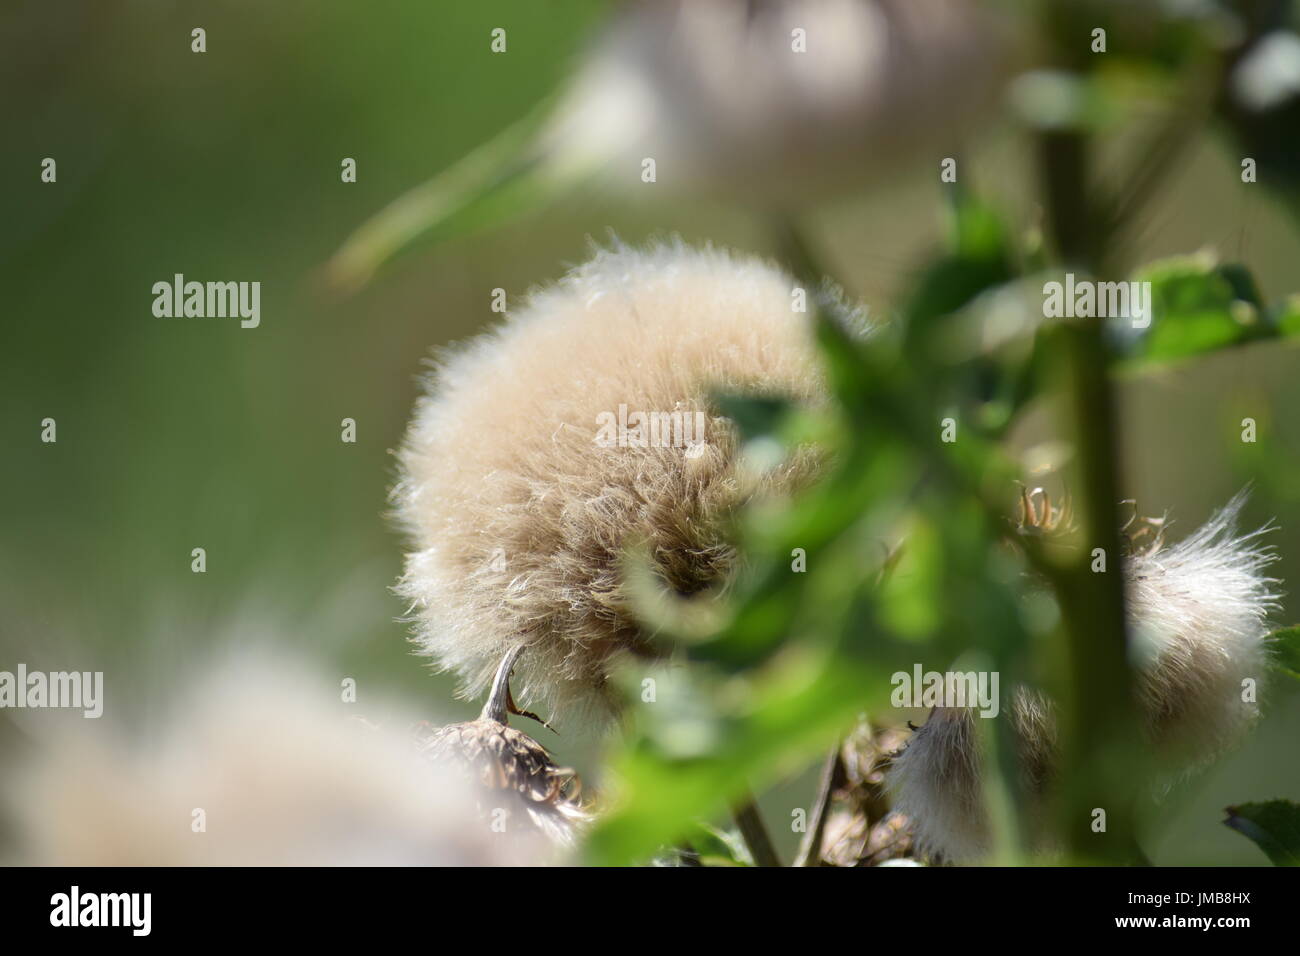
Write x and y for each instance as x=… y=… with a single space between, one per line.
x=182 y=433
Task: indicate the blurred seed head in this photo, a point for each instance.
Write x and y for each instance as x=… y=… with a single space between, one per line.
x=517 y=516
x=1269 y=73
x=719 y=97
x=282 y=776
x=717 y=93
x=936 y=779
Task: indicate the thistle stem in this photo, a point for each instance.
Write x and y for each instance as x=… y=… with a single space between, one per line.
x=497 y=705
x=831 y=777
x=754 y=832
x=1098 y=771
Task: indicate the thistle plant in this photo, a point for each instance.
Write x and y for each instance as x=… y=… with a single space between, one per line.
x=837 y=501
x=1198 y=613
x=904 y=475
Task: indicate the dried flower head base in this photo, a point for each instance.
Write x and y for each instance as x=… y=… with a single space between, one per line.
x=513 y=771
x=1037 y=516
x=860 y=830
x=1141 y=535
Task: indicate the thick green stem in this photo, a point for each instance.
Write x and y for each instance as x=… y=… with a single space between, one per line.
x=1099 y=717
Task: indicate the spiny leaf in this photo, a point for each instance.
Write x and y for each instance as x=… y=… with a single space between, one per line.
x=1274 y=825
x=1286 y=317
x=1286 y=651
x=1198 y=306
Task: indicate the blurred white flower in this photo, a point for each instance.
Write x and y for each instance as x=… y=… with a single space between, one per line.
x=771 y=103
x=264 y=752
x=1269 y=74
x=777 y=100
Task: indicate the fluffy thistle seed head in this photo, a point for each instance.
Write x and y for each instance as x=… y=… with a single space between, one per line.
x=519 y=514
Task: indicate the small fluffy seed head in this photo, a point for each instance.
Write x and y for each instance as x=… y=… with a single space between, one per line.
x=1198 y=621
x=1198 y=613
x=519 y=516
x=936 y=780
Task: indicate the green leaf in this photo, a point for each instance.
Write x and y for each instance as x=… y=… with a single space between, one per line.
x=911 y=598
x=1274 y=825
x=798 y=711
x=502 y=178
x=757 y=416
x=1197 y=307
x=717 y=847
x=1286 y=318
x=978 y=260
x=1286 y=651
x=1242 y=283
x=1057 y=100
